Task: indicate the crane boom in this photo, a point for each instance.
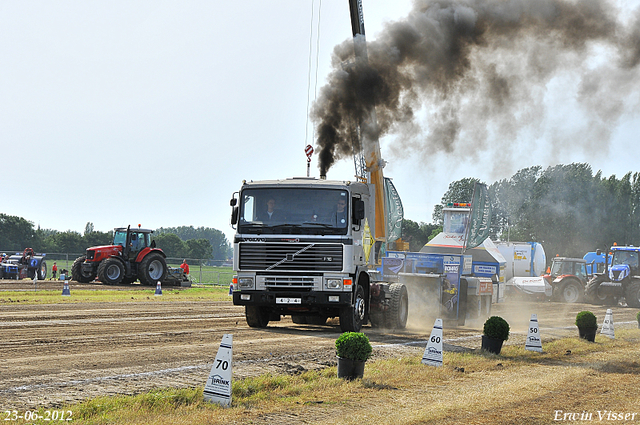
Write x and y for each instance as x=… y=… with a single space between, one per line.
x=370 y=143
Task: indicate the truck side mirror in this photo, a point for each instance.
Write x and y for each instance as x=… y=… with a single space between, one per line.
x=234 y=215
x=233 y=202
x=357 y=212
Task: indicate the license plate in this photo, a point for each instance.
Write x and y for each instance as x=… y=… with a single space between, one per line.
x=288 y=300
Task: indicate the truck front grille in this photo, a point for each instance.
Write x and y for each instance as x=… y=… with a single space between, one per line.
x=288 y=281
x=277 y=256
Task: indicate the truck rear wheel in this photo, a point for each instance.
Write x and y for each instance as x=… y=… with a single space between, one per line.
x=352 y=317
x=632 y=294
x=571 y=291
x=78 y=275
x=299 y=320
x=153 y=269
x=257 y=317
x=111 y=271
x=396 y=316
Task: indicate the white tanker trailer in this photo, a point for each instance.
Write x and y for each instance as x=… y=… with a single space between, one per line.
x=525 y=265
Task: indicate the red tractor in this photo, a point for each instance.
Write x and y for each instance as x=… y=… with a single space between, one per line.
x=132 y=256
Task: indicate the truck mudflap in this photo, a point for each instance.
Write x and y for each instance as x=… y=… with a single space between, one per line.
x=293 y=300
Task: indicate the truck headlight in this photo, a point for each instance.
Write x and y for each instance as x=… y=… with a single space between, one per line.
x=245 y=282
x=333 y=283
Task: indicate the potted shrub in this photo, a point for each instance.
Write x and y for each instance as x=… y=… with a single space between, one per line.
x=495 y=332
x=353 y=350
x=587 y=325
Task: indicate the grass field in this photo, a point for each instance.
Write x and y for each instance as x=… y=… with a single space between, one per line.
x=572 y=377
x=213 y=293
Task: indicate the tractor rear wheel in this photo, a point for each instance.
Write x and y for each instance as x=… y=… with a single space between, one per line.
x=42 y=271
x=396 y=317
x=153 y=269
x=111 y=271
x=632 y=294
x=78 y=275
x=571 y=291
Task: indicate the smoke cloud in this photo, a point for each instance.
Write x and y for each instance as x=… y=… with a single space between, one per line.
x=472 y=75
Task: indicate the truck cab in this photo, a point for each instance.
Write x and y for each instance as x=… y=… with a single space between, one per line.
x=303 y=247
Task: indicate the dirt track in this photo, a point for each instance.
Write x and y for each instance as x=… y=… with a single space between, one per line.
x=58 y=353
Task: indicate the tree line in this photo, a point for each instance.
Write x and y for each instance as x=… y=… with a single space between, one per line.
x=567 y=208
x=16 y=234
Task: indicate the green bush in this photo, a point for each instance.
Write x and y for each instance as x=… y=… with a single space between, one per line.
x=353 y=346
x=586 y=320
x=638 y=316
x=496 y=327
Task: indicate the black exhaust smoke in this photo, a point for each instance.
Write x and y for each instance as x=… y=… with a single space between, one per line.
x=456 y=75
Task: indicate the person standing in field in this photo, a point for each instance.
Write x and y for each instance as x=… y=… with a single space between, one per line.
x=54 y=271
x=184 y=266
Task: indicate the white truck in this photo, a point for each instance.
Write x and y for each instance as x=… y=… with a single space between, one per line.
x=305 y=247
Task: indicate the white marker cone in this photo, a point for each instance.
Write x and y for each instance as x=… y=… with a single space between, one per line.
x=158 y=289
x=65 y=289
x=433 y=352
x=218 y=387
x=607 y=326
x=533 y=342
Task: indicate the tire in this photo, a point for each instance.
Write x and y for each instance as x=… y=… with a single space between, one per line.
x=632 y=294
x=111 y=271
x=129 y=280
x=592 y=295
x=396 y=317
x=257 y=317
x=153 y=268
x=571 y=291
x=316 y=320
x=299 y=320
x=42 y=271
x=352 y=317
x=78 y=275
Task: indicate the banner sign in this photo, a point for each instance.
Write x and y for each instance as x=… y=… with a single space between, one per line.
x=480 y=222
x=395 y=211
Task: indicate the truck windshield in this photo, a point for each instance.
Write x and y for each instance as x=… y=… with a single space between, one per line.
x=294 y=211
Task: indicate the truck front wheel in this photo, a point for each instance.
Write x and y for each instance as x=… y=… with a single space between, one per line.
x=257 y=317
x=632 y=295
x=352 y=317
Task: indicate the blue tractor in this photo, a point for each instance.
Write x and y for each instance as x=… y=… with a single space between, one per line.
x=621 y=280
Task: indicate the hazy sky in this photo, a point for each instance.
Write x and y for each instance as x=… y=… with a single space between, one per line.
x=153 y=112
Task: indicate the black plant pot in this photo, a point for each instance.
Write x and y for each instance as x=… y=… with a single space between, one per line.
x=492 y=345
x=588 y=333
x=350 y=369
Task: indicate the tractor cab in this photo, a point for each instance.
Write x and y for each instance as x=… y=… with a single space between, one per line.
x=135 y=239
